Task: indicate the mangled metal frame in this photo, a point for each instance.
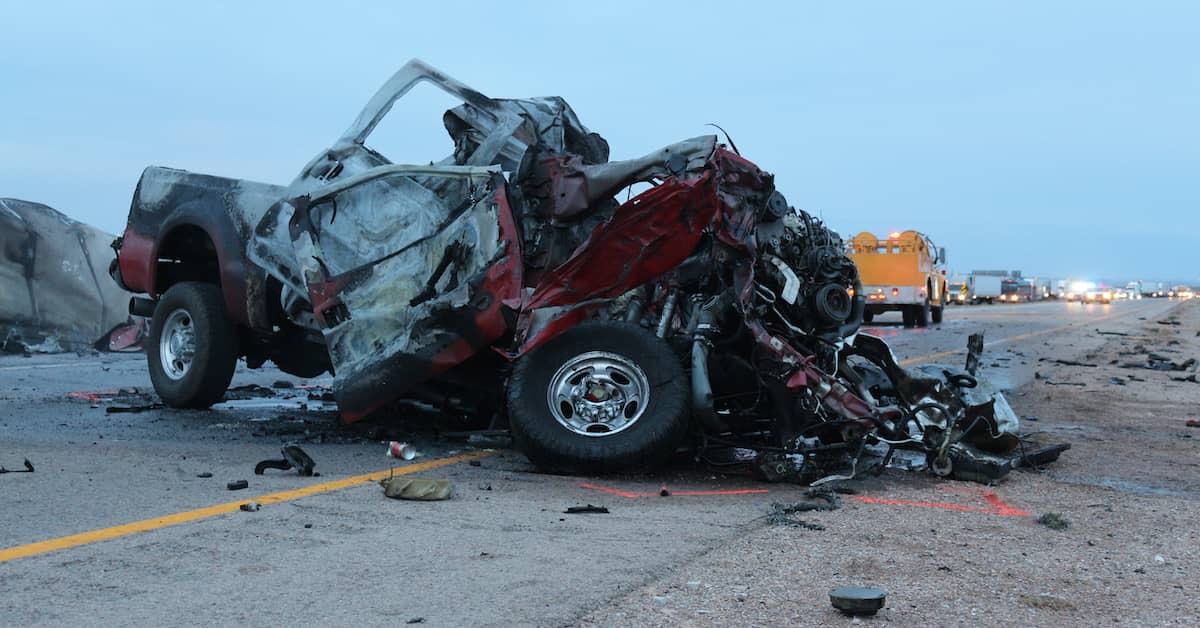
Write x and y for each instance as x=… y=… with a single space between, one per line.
x=516 y=235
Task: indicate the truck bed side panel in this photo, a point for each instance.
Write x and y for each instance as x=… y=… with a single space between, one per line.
x=226 y=209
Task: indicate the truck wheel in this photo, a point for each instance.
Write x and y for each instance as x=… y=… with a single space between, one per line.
x=192 y=348
x=936 y=313
x=868 y=317
x=906 y=315
x=603 y=395
x=921 y=314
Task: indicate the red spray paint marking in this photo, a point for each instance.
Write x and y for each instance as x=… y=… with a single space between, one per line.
x=620 y=493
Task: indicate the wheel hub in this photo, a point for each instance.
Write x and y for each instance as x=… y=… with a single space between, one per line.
x=598 y=394
x=177 y=344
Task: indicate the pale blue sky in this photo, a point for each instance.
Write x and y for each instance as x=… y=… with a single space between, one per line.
x=1060 y=138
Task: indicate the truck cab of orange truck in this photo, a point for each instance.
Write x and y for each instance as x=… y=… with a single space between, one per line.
x=903 y=272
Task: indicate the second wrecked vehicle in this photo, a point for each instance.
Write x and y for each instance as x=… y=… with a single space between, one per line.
x=507 y=282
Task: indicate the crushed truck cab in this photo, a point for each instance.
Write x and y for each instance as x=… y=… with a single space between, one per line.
x=903 y=272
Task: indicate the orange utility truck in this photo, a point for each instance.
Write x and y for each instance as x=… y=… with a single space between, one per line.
x=904 y=272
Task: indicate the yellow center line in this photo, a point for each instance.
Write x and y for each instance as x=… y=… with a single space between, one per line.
x=1090 y=321
x=104 y=534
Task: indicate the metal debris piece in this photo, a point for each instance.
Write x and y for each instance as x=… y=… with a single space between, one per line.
x=293 y=458
x=974 y=350
x=1068 y=362
x=585 y=510
x=251 y=507
x=237 y=485
x=858 y=600
x=204 y=475
x=28 y=468
x=419 y=489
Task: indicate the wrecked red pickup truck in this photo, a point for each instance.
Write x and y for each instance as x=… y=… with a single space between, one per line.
x=507 y=282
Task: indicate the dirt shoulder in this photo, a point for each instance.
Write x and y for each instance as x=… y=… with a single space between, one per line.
x=952 y=553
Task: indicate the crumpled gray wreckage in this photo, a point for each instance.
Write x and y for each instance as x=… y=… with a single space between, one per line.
x=54 y=292
x=507 y=283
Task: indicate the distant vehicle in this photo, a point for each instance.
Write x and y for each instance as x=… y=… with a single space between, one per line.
x=956 y=291
x=1018 y=291
x=1182 y=293
x=1089 y=292
x=1041 y=288
x=1154 y=289
x=903 y=272
x=983 y=288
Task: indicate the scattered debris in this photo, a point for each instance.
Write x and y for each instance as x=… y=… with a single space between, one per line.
x=586 y=510
x=416 y=620
x=28 y=468
x=1169 y=321
x=1116 y=380
x=1111 y=333
x=1188 y=378
x=251 y=507
x=1192 y=423
x=1053 y=383
x=204 y=475
x=858 y=600
x=237 y=485
x=664 y=492
x=283 y=384
x=1067 y=362
x=475 y=463
x=248 y=391
x=293 y=458
x=1054 y=521
x=783 y=515
x=419 y=489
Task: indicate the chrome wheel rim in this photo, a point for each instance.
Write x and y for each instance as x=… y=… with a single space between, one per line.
x=177 y=344
x=598 y=394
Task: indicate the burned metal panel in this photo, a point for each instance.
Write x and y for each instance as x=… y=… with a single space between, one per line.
x=54 y=294
x=406 y=285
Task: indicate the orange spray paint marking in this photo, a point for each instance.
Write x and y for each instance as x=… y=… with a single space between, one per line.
x=998 y=506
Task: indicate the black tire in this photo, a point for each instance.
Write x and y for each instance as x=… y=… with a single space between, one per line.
x=936 y=313
x=921 y=314
x=648 y=440
x=203 y=381
x=868 y=317
x=906 y=315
